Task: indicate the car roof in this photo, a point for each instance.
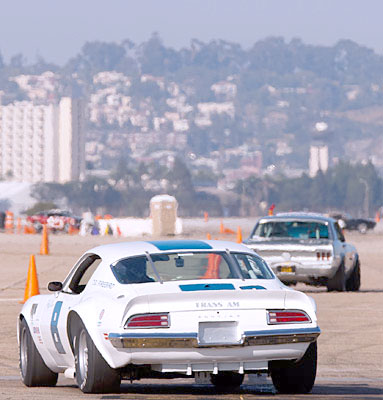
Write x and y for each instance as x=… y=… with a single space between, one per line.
x=299 y=216
x=116 y=251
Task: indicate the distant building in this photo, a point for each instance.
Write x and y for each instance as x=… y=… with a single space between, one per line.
x=71 y=140
x=42 y=143
x=318 y=159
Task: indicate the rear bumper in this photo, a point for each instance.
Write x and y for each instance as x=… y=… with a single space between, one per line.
x=190 y=340
x=303 y=272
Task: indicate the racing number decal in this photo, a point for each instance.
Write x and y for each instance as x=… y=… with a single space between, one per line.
x=54 y=328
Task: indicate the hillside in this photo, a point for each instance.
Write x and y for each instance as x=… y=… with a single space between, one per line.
x=228 y=112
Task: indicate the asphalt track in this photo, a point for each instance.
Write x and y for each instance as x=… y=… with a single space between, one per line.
x=325 y=388
x=350 y=359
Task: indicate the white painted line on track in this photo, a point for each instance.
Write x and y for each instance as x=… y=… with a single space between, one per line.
x=10 y=300
x=10 y=378
x=345 y=379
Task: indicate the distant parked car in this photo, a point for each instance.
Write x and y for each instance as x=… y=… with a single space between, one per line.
x=346 y=221
x=56 y=220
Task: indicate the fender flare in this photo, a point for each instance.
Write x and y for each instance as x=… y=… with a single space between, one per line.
x=342 y=257
x=355 y=264
x=356 y=260
x=81 y=314
x=45 y=355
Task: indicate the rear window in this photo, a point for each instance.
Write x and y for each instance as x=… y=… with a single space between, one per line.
x=292 y=229
x=190 y=266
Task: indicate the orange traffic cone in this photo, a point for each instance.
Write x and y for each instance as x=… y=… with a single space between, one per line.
x=32 y=286
x=212 y=271
x=44 y=248
x=239 y=235
x=221 y=228
x=206 y=216
x=9 y=222
x=208 y=236
x=119 y=231
x=271 y=209
x=72 y=230
x=19 y=226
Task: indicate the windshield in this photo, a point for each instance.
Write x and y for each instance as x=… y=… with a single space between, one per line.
x=292 y=229
x=189 y=266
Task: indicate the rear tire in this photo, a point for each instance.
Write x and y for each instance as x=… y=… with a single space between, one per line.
x=296 y=377
x=33 y=369
x=38 y=227
x=362 y=228
x=93 y=373
x=338 y=282
x=226 y=381
x=353 y=282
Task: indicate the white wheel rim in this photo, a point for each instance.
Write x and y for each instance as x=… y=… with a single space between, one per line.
x=83 y=355
x=23 y=352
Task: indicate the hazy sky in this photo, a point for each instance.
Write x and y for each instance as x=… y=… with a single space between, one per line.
x=57 y=30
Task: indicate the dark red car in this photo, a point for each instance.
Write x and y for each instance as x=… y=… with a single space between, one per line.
x=56 y=220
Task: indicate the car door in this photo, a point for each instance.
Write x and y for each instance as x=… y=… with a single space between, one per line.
x=56 y=313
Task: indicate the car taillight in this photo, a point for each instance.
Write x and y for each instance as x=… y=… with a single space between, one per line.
x=323 y=255
x=148 y=321
x=286 y=317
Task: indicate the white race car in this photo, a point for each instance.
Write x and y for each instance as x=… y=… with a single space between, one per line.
x=168 y=309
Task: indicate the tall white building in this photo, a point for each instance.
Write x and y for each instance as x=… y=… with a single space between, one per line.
x=42 y=143
x=71 y=140
x=318 y=159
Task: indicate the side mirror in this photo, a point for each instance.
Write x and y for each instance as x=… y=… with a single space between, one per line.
x=55 y=286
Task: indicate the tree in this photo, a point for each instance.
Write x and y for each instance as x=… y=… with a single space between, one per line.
x=5 y=204
x=17 y=61
x=102 y=56
x=156 y=59
x=40 y=206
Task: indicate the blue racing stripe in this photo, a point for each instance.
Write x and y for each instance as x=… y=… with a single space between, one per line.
x=257 y=287
x=54 y=327
x=207 y=286
x=152 y=335
x=296 y=331
x=180 y=245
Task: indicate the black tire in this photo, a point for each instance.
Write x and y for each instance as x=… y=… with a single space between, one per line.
x=296 y=377
x=338 y=282
x=353 y=282
x=227 y=381
x=93 y=374
x=33 y=369
x=38 y=227
x=362 y=228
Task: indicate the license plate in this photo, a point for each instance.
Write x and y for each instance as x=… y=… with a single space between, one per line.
x=286 y=268
x=218 y=333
